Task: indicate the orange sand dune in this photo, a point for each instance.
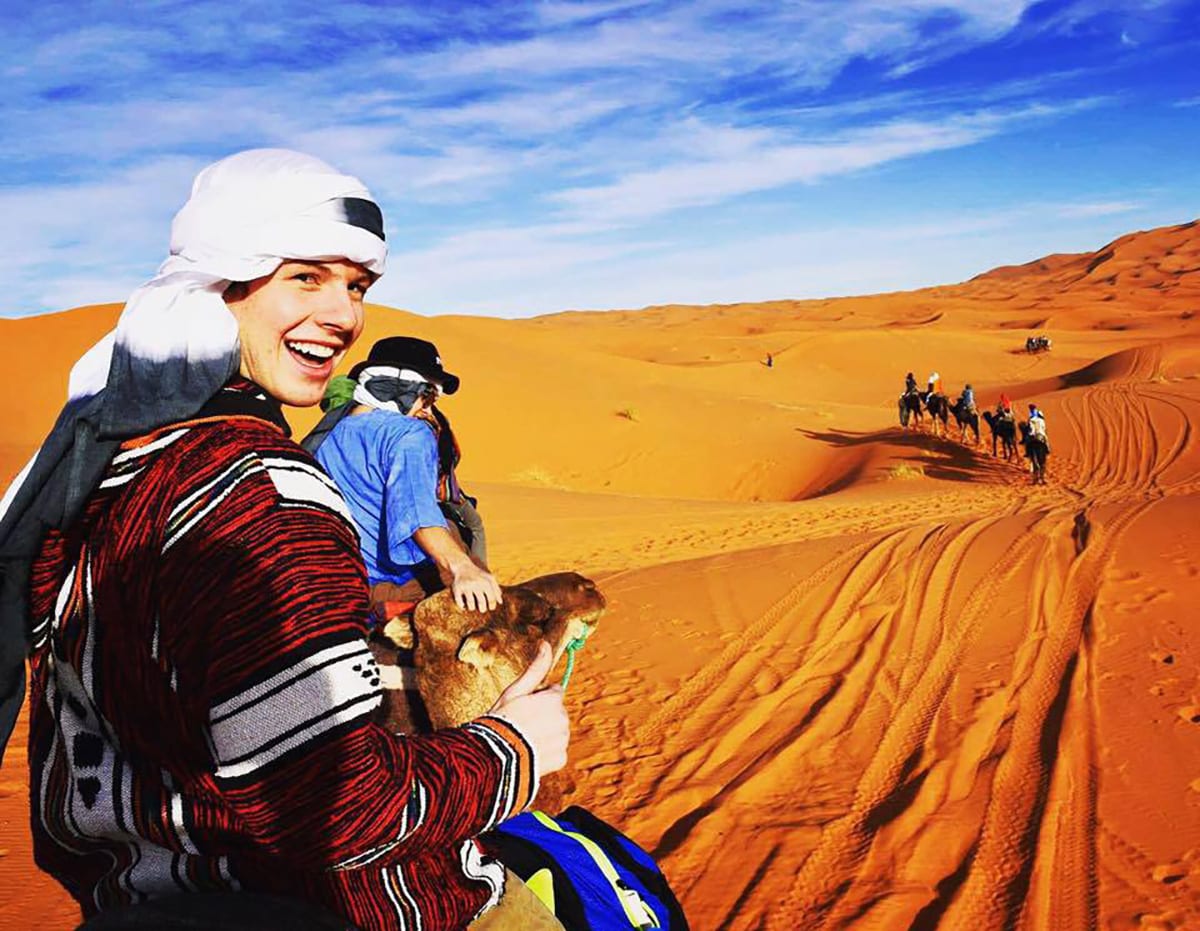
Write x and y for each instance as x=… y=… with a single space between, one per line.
x=851 y=677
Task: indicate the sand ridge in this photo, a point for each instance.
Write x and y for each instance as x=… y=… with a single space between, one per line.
x=850 y=677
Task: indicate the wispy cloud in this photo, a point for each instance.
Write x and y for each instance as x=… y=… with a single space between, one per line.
x=750 y=161
x=1100 y=209
x=89 y=242
x=524 y=271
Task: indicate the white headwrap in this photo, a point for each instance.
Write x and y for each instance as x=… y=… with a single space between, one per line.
x=247 y=213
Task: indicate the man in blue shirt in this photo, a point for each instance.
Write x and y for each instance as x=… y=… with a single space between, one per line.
x=384 y=458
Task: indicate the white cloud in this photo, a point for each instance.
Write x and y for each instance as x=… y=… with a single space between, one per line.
x=563 y=12
x=738 y=162
x=108 y=235
x=519 y=271
x=650 y=193
x=530 y=113
x=1098 y=209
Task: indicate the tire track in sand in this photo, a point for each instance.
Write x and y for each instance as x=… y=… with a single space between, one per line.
x=1117 y=428
x=1039 y=830
x=730 y=760
x=1050 y=762
x=876 y=647
x=1036 y=860
x=705 y=729
x=830 y=890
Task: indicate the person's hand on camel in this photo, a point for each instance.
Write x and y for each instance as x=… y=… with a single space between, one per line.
x=538 y=713
x=474 y=588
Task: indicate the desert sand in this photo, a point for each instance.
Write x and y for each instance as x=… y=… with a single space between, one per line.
x=851 y=677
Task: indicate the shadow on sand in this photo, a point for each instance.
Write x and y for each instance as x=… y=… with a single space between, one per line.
x=938 y=457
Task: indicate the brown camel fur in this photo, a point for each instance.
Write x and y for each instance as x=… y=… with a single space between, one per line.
x=444 y=666
x=460 y=661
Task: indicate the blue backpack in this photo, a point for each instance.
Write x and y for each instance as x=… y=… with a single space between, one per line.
x=589 y=874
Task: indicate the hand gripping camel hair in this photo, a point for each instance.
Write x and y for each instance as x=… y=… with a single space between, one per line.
x=442 y=666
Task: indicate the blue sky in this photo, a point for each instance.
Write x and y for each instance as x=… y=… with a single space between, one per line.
x=541 y=156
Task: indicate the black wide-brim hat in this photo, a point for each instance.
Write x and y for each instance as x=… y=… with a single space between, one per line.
x=407 y=352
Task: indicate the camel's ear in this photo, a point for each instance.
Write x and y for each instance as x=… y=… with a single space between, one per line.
x=478 y=648
x=399 y=630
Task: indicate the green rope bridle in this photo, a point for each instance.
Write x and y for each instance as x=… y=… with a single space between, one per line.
x=572 y=648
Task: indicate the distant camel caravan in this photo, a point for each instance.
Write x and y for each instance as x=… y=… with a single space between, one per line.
x=1037 y=344
x=1004 y=428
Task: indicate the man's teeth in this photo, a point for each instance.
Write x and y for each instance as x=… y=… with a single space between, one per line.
x=311 y=349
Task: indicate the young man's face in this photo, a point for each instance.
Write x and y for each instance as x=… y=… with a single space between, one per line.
x=296 y=324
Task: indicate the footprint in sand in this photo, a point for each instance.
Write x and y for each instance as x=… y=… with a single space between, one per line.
x=1167 y=659
x=1190 y=713
x=1169 y=873
x=1157 y=922
x=987 y=689
x=766 y=681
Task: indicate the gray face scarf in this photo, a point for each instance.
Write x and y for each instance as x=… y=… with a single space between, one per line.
x=174 y=346
x=398 y=391
x=383 y=392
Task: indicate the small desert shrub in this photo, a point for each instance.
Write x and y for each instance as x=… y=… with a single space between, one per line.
x=906 y=471
x=534 y=475
x=629 y=413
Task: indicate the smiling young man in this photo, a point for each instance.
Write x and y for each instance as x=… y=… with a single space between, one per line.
x=296 y=324
x=189 y=588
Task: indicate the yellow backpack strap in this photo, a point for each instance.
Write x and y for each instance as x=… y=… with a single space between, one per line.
x=641 y=916
x=541 y=884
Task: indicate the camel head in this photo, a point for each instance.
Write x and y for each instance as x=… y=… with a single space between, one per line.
x=465 y=659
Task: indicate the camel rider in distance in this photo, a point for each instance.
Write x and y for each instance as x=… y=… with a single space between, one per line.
x=1004 y=409
x=935 y=384
x=1037 y=425
x=910 y=383
x=967 y=399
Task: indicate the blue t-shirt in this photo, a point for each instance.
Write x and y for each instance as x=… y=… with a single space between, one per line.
x=386 y=466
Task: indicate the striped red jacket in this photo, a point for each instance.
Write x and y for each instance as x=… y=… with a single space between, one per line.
x=202 y=692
